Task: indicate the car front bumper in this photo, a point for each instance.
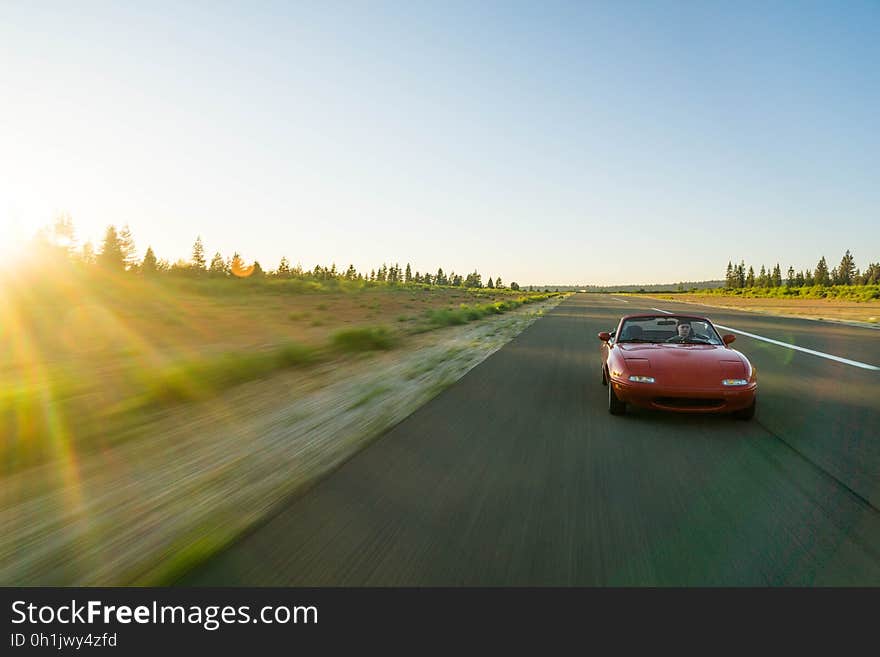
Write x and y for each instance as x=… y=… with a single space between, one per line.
x=720 y=399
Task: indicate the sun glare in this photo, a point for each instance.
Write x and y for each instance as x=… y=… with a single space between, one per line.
x=16 y=240
x=13 y=242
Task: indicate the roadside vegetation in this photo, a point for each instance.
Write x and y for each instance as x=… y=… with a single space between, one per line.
x=845 y=281
x=188 y=477
x=843 y=293
x=93 y=344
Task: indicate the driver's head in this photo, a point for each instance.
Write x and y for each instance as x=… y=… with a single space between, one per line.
x=684 y=328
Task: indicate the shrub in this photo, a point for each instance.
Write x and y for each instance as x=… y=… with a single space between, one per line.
x=446 y=317
x=198 y=379
x=363 y=339
x=295 y=354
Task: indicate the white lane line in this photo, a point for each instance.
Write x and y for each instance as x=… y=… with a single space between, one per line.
x=839 y=359
x=854 y=363
x=616 y=299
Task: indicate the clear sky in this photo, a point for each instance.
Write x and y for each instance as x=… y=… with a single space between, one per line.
x=593 y=143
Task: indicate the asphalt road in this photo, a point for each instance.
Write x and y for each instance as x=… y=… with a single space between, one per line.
x=518 y=475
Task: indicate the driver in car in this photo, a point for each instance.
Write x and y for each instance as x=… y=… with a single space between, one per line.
x=685 y=332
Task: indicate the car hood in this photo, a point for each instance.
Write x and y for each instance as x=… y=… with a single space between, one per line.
x=685 y=364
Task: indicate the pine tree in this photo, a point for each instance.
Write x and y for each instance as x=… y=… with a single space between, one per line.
x=498 y=283
x=791 y=277
x=776 y=280
x=490 y=283
x=126 y=247
x=763 y=280
x=440 y=278
x=283 y=268
x=741 y=274
x=111 y=257
x=88 y=254
x=750 y=278
x=407 y=276
x=846 y=271
x=473 y=280
x=218 y=268
x=149 y=265
x=728 y=277
x=198 y=256
x=820 y=276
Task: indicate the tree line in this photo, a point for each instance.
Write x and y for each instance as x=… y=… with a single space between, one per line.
x=846 y=273
x=117 y=254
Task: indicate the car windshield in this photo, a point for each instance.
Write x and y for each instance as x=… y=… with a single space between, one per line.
x=669 y=328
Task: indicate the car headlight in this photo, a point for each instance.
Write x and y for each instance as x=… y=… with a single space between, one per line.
x=641 y=379
x=734 y=382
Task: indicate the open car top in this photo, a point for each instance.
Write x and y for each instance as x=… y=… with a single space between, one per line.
x=664 y=328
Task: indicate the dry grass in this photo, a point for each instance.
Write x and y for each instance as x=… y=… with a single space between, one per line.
x=146 y=424
x=867 y=312
x=185 y=483
x=84 y=360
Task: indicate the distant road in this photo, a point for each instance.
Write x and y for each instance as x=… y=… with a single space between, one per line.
x=517 y=475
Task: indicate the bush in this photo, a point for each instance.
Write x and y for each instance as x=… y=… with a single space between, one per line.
x=851 y=292
x=446 y=317
x=199 y=379
x=363 y=339
x=295 y=354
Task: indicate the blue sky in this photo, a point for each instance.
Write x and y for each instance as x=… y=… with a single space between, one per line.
x=543 y=142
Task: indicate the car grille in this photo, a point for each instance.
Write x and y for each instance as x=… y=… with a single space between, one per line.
x=688 y=402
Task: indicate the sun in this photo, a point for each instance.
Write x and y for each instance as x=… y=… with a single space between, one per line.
x=14 y=239
x=17 y=238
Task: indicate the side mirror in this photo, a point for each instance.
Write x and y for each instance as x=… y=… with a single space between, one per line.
x=728 y=338
x=604 y=336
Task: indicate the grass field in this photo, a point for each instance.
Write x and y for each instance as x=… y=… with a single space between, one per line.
x=147 y=425
x=84 y=359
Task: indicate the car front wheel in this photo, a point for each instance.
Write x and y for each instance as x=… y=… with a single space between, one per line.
x=615 y=406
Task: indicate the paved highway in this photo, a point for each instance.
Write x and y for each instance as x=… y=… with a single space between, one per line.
x=518 y=475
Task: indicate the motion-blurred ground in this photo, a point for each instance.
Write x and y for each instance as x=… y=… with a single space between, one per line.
x=145 y=423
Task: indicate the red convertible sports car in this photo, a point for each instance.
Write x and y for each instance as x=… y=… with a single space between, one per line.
x=676 y=363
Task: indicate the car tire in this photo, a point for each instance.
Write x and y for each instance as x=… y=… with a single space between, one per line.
x=604 y=378
x=615 y=406
x=746 y=413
